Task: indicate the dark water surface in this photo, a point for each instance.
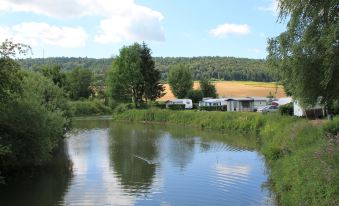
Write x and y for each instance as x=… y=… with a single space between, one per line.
x=136 y=164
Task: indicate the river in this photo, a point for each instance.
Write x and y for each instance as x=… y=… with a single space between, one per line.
x=110 y=163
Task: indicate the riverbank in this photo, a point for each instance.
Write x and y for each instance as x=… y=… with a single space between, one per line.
x=303 y=157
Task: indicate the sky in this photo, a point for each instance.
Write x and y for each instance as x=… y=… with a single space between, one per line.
x=99 y=28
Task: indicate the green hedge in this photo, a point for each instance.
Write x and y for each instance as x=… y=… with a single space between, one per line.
x=176 y=106
x=286 y=109
x=303 y=156
x=213 y=108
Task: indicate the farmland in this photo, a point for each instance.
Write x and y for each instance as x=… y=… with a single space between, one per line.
x=237 y=89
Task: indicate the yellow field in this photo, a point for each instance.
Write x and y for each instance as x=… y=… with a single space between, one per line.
x=237 y=89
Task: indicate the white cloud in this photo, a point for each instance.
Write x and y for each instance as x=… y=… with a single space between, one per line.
x=121 y=19
x=35 y=33
x=272 y=7
x=228 y=29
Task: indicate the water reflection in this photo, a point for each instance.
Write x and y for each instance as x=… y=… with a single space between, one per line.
x=41 y=187
x=137 y=164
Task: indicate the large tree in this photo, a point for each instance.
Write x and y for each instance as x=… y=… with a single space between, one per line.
x=180 y=80
x=207 y=88
x=133 y=76
x=153 y=89
x=78 y=82
x=305 y=56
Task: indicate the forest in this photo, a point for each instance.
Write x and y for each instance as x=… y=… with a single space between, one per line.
x=218 y=68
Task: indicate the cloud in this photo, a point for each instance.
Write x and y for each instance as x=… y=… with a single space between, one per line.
x=272 y=7
x=228 y=29
x=120 y=19
x=35 y=33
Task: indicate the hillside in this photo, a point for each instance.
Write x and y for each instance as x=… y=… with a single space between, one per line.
x=221 y=68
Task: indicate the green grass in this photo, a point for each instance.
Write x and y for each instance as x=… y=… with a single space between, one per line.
x=303 y=157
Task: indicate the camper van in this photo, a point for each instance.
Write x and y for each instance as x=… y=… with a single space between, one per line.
x=187 y=102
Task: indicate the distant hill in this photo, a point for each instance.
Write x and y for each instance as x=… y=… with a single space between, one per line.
x=221 y=68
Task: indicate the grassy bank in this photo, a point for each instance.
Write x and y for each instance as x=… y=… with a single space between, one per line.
x=303 y=156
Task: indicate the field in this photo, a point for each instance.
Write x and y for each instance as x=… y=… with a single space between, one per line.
x=237 y=89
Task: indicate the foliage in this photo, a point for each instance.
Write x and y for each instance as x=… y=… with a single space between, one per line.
x=195 y=95
x=180 y=80
x=55 y=74
x=122 y=108
x=213 y=108
x=89 y=107
x=10 y=76
x=30 y=143
x=9 y=49
x=332 y=127
x=306 y=55
x=219 y=68
x=176 y=106
x=152 y=87
x=286 y=109
x=208 y=89
x=78 y=83
x=133 y=76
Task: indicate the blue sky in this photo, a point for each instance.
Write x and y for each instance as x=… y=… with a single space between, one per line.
x=99 y=28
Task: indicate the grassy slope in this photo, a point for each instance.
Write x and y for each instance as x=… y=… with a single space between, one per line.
x=303 y=160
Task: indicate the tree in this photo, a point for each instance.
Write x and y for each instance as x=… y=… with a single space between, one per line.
x=195 y=95
x=78 y=83
x=306 y=55
x=180 y=80
x=153 y=88
x=133 y=76
x=126 y=82
x=208 y=89
x=55 y=74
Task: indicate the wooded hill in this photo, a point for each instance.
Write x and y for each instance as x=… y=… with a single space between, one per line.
x=221 y=68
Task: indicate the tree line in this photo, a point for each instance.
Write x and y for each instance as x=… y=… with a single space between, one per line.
x=219 y=68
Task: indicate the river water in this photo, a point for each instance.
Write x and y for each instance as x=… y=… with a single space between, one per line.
x=109 y=163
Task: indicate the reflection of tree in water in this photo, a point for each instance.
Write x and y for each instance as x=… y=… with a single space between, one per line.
x=132 y=150
x=181 y=147
x=42 y=187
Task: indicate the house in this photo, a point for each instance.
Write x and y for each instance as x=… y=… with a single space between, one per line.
x=243 y=104
x=261 y=102
x=187 y=102
x=316 y=112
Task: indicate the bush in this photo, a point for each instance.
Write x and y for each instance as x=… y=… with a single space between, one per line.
x=176 y=106
x=123 y=107
x=213 y=108
x=33 y=124
x=89 y=107
x=286 y=109
x=332 y=127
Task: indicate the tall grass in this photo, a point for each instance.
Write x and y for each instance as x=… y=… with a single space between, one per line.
x=303 y=156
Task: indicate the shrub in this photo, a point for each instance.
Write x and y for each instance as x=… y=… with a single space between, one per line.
x=176 y=106
x=89 y=107
x=286 y=109
x=213 y=108
x=123 y=107
x=332 y=127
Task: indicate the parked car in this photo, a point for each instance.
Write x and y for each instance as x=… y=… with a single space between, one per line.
x=270 y=108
